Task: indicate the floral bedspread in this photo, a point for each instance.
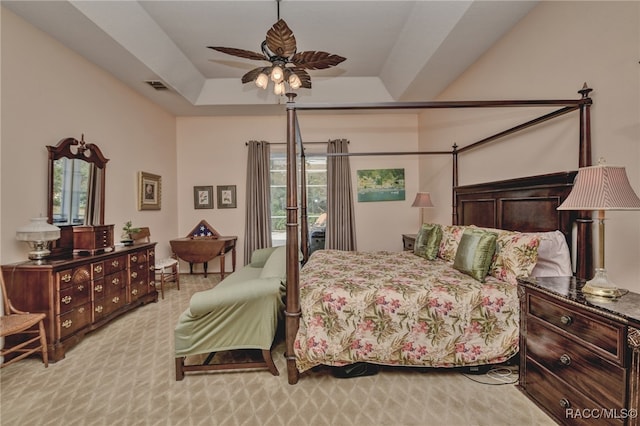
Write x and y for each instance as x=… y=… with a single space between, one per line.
x=395 y=308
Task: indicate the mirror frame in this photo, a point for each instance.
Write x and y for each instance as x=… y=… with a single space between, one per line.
x=77 y=149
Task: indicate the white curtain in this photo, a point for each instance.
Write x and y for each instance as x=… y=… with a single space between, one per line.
x=340 y=233
x=258 y=214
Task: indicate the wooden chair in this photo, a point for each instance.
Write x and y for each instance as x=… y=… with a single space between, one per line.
x=15 y=321
x=165 y=269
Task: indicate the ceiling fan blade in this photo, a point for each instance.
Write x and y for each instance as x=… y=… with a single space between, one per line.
x=313 y=60
x=252 y=75
x=304 y=77
x=247 y=54
x=280 y=39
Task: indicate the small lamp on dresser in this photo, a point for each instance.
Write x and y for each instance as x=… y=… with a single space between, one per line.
x=600 y=188
x=422 y=200
x=38 y=234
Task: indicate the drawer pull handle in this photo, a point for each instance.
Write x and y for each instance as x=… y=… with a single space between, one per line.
x=80 y=287
x=99 y=309
x=98 y=288
x=134 y=258
x=66 y=278
x=134 y=291
x=564 y=403
x=66 y=300
x=115 y=263
x=565 y=359
x=115 y=299
x=67 y=323
x=98 y=269
x=81 y=310
x=134 y=275
x=566 y=320
x=115 y=281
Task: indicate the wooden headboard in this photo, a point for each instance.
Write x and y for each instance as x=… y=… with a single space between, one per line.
x=526 y=204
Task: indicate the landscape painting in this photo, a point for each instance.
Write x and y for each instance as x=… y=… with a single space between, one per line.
x=381 y=185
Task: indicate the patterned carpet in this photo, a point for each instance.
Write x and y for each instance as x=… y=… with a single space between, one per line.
x=124 y=374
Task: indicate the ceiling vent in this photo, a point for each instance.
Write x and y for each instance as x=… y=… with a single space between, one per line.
x=158 y=85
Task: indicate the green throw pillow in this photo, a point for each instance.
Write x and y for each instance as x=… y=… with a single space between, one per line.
x=475 y=252
x=428 y=241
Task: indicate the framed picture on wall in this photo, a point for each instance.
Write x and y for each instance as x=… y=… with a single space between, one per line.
x=149 y=191
x=203 y=197
x=227 y=197
x=381 y=185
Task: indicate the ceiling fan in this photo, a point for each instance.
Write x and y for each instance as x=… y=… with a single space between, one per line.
x=287 y=64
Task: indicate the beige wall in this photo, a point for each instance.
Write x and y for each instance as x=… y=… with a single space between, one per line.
x=549 y=55
x=212 y=151
x=50 y=93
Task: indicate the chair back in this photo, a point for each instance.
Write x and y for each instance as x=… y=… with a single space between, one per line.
x=142 y=235
x=5 y=298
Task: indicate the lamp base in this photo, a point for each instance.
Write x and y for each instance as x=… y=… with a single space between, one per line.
x=601 y=286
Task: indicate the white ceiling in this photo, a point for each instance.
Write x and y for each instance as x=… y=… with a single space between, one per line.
x=395 y=50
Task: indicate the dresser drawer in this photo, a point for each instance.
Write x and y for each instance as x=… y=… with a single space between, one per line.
x=97 y=270
x=604 y=337
x=108 y=304
x=139 y=289
x=566 y=404
x=601 y=380
x=73 y=296
x=74 y=319
x=138 y=258
x=115 y=264
x=115 y=283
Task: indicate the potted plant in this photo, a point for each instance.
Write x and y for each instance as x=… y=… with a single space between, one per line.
x=127 y=231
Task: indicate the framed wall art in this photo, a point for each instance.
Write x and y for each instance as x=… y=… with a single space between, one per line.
x=149 y=191
x=227 y=197
x=381 y=185
x=203 y=197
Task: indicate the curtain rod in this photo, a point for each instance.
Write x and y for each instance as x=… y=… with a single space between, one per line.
x=355 y=154
x=284 y=143
x=303 y=143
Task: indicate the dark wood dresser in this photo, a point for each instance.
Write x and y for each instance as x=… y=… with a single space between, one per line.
x=579 y=356
x=82 y=293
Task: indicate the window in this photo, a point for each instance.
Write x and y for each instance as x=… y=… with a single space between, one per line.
x=316 y=167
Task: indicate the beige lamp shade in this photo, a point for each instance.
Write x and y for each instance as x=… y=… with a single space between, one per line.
x=423 y=199
x=601 y=188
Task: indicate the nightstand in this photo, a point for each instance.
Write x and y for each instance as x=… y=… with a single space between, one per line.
x=579 y=356
x=408 y=241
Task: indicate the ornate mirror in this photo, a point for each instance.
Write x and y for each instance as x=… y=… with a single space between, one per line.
x=76 y=183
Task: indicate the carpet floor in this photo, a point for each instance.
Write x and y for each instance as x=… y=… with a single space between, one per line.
x=124 y=374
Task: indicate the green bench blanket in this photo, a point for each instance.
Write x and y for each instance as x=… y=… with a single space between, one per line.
x=241 y=312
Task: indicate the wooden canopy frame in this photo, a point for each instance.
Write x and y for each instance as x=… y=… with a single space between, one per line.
x=584 y=267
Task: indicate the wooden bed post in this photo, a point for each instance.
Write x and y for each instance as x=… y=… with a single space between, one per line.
x=304 y=219
x=584 y=247
x=292 y=310
x=454 y=183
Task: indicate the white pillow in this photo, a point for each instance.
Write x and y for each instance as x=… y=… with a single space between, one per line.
x=554 y=259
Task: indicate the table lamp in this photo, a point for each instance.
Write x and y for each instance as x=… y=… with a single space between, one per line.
x=600 y=188
x=422 y=200
x=38 y=234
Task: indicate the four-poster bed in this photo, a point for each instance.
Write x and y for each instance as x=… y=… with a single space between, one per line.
x=524 y=204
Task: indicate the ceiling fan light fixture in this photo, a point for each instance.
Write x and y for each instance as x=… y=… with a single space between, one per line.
x=294 y=81
x=262 y=81
x=279 y=88
x=279 y=48
x=277 y=75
